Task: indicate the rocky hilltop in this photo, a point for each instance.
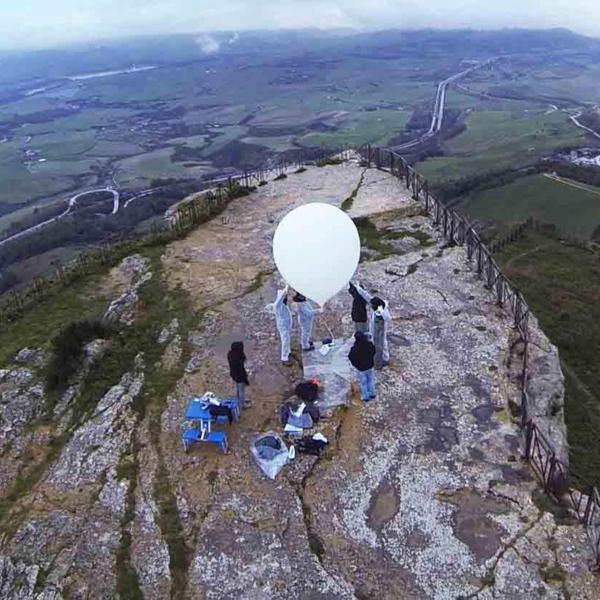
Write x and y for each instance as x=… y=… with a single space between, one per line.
x=421 y=493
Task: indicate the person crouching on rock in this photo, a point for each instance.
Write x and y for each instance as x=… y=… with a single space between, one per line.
x=237 y=370
x=283 y=318
x=306 y=317
x=359 y=309
x=362 y=358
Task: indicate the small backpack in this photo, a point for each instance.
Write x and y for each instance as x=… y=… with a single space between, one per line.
x=307 y=391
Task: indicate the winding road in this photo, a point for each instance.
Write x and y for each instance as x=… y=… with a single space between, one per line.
x=71 y=205
x=575 y=119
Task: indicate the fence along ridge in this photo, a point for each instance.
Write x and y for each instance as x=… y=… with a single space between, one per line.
x=539 y=452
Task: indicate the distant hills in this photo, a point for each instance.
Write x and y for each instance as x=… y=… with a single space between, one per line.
x=165 y=49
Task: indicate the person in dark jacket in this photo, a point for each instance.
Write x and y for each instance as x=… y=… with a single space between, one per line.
x=237 y=370
x=359 y=309
x=362 y=358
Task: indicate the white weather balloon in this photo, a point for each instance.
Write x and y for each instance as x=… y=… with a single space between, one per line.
x=316 y=248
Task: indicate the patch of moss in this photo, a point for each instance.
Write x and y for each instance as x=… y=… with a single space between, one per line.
x=378 y=242
x=163 y=304
x=329 y=161
x=546 y=504
x=126 y=469
x=28 y=477
x=349 y=201
x=553 y=574
x=128 y=583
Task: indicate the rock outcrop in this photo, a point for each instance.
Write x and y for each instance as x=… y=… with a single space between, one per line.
x=135 y=271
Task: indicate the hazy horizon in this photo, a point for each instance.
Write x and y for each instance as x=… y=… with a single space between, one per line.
x=35 y=24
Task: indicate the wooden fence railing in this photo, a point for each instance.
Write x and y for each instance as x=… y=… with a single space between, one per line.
x=552 y=473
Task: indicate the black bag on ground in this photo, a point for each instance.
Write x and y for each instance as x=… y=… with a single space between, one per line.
x=218 y=411
x=307 y=391
x=313 y=411
x=308 y=445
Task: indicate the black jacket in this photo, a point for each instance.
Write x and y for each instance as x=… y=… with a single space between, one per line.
x=362 y=355
x=359 y=306
x=236 y=359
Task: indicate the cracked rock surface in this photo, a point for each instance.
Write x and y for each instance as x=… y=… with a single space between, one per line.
x=421 y=493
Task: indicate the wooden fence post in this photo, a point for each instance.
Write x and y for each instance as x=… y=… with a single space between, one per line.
x=500 y=290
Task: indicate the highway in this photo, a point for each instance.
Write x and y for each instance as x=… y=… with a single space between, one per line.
x=437 y=119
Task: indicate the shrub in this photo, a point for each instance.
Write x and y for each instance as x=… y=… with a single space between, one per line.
x=329 y=161
x=67 y=351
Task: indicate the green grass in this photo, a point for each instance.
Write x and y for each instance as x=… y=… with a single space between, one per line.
x=128 y=584
x=560 y=283
x=142 y=168
x=18 y=185
x=276 y=143
x=572 y=209
x=497 y=140
x=37 y=325
x=375 y=127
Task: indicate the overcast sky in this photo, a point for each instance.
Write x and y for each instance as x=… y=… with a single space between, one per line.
x=41 y=23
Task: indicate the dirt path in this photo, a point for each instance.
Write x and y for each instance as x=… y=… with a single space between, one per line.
x=571 y=183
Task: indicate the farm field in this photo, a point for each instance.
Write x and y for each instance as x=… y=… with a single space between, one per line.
x=572 y=207
x=497 y=140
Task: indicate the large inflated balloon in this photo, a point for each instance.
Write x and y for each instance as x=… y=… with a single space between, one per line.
x=316 y=248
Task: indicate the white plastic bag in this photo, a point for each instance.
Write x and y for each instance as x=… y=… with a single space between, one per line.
x=270 y=466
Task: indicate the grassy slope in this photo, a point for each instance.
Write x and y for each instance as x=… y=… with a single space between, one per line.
x=43 y=320
x=575 y=210
x=560 y=283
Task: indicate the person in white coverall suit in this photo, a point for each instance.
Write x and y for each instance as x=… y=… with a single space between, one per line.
x=380 y=313
x=306 y=317
x=283 y=318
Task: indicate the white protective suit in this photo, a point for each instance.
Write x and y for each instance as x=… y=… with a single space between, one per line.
x=283 y=318
x=306 y=317
x=387 y=319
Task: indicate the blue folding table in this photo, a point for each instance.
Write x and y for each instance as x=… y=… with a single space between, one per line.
x=198 y=411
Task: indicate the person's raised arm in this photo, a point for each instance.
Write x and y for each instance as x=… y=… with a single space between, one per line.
x=364 y=294
x=280 y=296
